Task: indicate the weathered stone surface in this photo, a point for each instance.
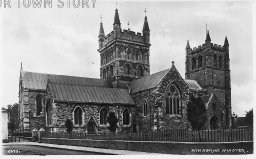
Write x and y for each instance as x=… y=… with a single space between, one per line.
x=213 y=75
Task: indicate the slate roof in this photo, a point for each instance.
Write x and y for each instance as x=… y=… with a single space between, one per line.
x=90 y=94
x=147 y=82
x=193 y=85
x=38 y=81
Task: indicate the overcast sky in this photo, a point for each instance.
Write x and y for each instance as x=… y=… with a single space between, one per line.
x=65 y=41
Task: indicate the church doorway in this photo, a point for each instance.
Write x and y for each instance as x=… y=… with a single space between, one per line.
x=91 y=127
x=214 y=122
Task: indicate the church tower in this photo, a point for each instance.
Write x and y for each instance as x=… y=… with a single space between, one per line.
x=124 y=54
x=209 y=65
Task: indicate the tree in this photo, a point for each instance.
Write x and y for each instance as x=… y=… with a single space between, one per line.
x=69 y=126
x=196 y=113
x=112 y=120
x=13 y=110
x=249 y=118
x=11 y=126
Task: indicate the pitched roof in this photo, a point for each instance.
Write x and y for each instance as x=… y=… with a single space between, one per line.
x=38 y=81
x=147 y=82
x=193 y=85
x=90 y=94
x=206 y=98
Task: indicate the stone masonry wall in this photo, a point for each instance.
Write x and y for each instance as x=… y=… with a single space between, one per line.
x=30 y=118
x=62 y=111
x=158 y=116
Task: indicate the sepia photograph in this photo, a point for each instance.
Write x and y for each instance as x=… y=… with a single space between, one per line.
x=134 y=77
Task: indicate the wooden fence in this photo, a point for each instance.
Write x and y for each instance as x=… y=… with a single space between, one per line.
x=179 y=135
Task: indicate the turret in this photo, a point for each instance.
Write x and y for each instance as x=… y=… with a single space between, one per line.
x=208 y=38
x=188 y=48
x=101 y=35
x=117 y=24
x=226 y=44
x=146 y=30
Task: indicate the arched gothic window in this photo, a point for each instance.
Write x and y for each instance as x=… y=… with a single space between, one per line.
x=200 y=61
x=220 y=61
x=103 y=116
x=126 y=117
x=145 y=108
x=172 y=101
x=139 y=71
x=39 y=100
x=193 y=63
x=215 y=60
x=78 y=116
x=127 y=69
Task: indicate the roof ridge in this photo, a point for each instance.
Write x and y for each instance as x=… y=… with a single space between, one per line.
x=167 y=70
x=85 y=85
x=64 y=75
x=149 y=75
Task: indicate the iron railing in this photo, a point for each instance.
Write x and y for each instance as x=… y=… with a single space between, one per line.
x=179 y=135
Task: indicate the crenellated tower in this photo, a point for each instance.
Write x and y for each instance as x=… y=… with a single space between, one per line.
x=209 y=65
x=124 y=53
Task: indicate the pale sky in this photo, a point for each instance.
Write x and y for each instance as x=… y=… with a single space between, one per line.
x=65 y=41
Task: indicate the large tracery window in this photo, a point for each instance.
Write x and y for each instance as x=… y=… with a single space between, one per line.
x=172 y=101
x=103 y=116
x=126 y=117
x=78 y=116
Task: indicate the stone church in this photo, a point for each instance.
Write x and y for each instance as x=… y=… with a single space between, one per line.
x=141 y=101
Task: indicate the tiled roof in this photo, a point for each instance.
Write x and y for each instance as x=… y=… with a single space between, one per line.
x=38 y=81
x=147 y=82
x=193 y=85
x=90 y=94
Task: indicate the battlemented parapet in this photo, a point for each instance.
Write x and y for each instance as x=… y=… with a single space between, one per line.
x=126 y=35
x=202 y=47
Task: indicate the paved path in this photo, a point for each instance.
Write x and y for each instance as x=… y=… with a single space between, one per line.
x=34 y=148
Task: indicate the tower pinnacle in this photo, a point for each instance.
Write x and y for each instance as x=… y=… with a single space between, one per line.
x=188 y=46
x=116 y=18
x=145 y=26
x=117 y=24
x=101 y=32
x=208 y=38
x=226 y=42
